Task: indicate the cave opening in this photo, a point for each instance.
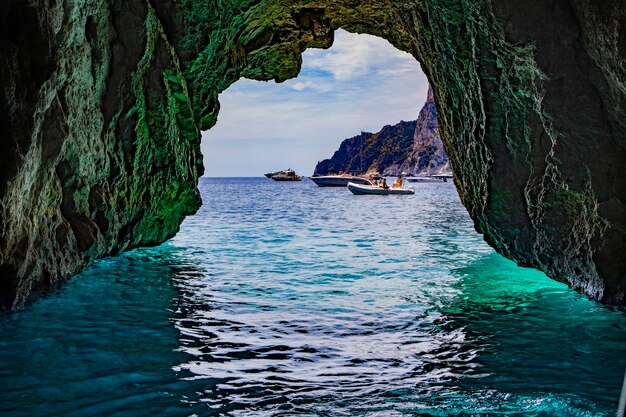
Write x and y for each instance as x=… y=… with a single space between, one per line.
x=361 y=84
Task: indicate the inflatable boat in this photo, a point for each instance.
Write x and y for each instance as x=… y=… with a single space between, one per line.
x=360 y=189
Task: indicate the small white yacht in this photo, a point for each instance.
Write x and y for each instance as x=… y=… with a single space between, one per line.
x=338 y=180
x=289 y=175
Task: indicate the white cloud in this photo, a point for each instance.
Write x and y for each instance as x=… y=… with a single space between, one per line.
x=311 y=85
x=355 y=55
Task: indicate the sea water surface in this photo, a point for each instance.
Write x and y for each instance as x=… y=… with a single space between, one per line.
x=285 y=299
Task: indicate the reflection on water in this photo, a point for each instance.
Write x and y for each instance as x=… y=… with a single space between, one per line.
x=103 y=345
x=554 y=339
x=288 y=299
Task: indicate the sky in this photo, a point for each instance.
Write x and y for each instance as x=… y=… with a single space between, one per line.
x=361 y=83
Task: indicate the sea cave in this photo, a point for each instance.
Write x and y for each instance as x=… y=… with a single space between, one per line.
x=103 y=104
x=194 y=295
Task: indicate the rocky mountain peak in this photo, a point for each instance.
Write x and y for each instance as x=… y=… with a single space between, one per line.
x=413 y=147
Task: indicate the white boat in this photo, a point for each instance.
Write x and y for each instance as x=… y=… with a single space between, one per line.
x=361 y=189
x=289 y=175
x=338 y=180
x=429 y=178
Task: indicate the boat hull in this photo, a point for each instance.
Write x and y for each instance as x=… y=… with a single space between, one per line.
x=286 y=179
x=427 y=179
x=338 y=181
x=360 y=189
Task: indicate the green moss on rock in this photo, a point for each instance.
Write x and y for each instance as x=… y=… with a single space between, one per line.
x=104 y=112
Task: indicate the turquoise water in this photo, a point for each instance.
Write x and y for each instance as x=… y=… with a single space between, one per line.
x=285 y=299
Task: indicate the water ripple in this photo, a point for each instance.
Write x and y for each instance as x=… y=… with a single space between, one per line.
x=344 y=303
x=292 y=300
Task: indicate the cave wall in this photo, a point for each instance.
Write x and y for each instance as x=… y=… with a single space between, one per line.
x=102 y=104
x=103 y=154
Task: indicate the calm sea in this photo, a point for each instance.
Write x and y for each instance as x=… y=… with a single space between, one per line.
x=285 y=299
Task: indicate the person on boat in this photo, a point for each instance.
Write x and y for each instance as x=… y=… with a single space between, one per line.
x=383 y=184
x=398 y=182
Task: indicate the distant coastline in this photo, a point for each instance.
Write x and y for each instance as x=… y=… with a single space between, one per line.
x=412 y=147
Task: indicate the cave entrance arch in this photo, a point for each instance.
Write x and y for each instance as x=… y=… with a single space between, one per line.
x=504 y=110
x=360 y=84
x=531 y=113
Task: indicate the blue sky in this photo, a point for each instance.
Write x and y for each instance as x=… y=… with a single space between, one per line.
x=360 y=84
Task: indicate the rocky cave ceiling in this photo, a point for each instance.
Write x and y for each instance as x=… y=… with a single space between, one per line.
x=103 y=103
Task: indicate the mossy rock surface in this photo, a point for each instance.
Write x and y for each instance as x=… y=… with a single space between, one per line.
x=102 y=104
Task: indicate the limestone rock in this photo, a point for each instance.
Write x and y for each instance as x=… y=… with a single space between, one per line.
x=383 y=151
x=102 y=103
x=411 y=147
x=427 y=155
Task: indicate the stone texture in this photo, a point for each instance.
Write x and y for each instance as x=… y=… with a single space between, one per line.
x=104 y=152
x=407 y=147
x=102 y=102
x=427 y=156
x=382 y=151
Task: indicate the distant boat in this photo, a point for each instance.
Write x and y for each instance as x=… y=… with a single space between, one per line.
x=361 y=189
x=429 y=178
x=289 y=175
x=338 y=180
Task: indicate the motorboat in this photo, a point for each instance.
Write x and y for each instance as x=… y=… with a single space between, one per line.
x=429 y=178
x=271 y=174
x=362 y=189
x=289 y=175
x=339 y=180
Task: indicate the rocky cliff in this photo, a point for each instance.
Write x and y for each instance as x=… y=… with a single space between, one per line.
x=411 y=147
x=371 y=152
x=102 y=103
x=427 y=156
